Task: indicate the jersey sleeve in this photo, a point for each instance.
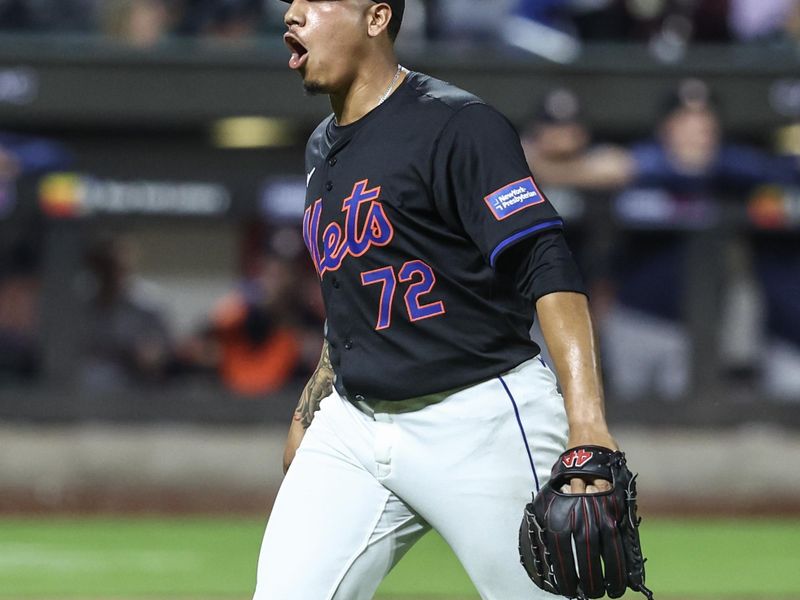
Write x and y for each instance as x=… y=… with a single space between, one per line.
x=481 y=178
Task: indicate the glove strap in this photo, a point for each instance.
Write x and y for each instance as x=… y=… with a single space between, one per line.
x=591 y=461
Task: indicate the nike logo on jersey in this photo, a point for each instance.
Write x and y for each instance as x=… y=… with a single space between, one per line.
x=310 y=175
x=360 y=206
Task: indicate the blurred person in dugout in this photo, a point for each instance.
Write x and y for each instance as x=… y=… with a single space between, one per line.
x=555 y=132
x=19 y=320
x=21 y=157
x=264 y=334
x=646 y=348
x=138 y=23
x=147 y=23
x=124 y=337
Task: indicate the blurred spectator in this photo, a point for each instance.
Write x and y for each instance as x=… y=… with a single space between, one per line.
x=555 y=140
x=140 y=23
x=125 y=338
x=753 y=20
x=19 y=321
x=21 y=156
x=555 y=130
x=264 y=334
x=556 y=133
x=689 y=160
x=690 y=154
x=687 y=154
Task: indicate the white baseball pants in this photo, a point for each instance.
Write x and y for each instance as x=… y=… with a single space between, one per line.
x=367 y=482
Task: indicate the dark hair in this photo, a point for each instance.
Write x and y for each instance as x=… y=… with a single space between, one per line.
x=559 y=106
x=690 y=93
x=393 y=29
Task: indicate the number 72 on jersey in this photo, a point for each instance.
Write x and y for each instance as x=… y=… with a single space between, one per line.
x=421 y=280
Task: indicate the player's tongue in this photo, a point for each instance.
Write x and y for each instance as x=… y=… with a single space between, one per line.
x=299 y=54
x=297 y=60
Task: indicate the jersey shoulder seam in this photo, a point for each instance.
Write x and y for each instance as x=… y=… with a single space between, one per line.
x=455 y=112
x=454 y=109
x=472 y=100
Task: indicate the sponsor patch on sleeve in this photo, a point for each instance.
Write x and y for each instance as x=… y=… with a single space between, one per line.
x=513 y=198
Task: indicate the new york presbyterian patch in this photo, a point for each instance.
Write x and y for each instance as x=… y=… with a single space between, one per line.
x=513 y=197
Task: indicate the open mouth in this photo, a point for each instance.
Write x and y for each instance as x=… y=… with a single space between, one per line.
x=299 y=52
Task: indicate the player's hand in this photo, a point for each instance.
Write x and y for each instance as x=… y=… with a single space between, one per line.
x=580 y=486
x=296 y=433
x=597 y=435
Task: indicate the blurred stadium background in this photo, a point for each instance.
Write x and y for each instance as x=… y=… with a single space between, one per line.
x=158 y=316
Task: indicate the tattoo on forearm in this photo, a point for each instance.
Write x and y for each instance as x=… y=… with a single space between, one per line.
x=316 y=389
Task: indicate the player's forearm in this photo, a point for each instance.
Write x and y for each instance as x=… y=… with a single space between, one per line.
x=568 y=331
x=605 y=168
x=316 y=389
x=318 y=386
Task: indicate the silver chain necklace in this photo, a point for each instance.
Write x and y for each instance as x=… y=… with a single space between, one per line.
x=382 y=99
x=400 y=69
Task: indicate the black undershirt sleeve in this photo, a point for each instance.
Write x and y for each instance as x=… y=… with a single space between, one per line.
x=541 y=265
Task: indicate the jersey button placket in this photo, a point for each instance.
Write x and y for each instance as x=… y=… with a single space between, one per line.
x=329 y=185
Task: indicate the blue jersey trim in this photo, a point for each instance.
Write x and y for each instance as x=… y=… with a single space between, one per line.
x=522 y=431
x=523 y=234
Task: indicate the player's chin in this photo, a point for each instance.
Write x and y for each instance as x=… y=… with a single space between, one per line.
x=314 y=87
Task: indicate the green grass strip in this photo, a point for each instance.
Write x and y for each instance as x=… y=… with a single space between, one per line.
x=127 y=558
x=151 y=558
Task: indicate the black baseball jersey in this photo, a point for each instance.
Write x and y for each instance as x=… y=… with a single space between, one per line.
x=407 y=212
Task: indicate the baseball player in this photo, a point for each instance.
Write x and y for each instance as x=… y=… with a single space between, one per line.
x=430 y=407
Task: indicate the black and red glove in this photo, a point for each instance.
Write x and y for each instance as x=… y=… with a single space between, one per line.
x=585 y=545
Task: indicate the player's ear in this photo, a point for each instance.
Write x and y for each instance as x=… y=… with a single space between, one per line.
x=378 y=17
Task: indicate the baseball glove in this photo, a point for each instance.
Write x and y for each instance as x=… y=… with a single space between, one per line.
x=585 y=545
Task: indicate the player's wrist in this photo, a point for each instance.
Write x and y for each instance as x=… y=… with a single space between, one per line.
x=588 y=416
x=596 y=434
